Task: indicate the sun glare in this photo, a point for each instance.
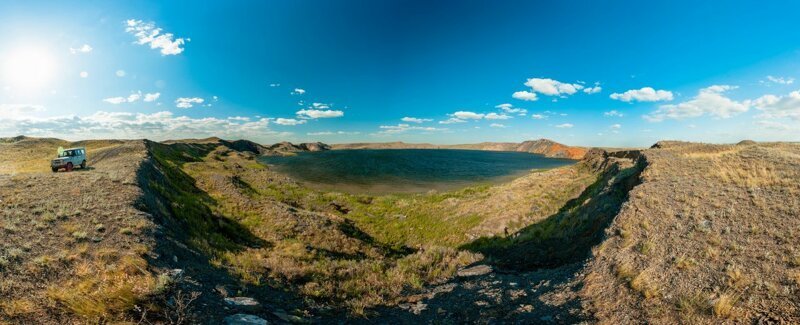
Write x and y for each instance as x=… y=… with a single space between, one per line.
x=27 y=68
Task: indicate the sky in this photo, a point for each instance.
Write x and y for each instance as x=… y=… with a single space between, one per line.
x=591 y=73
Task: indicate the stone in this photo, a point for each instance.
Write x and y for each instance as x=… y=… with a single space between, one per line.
x=475 y=270
x=245 y=319
x=243 y=303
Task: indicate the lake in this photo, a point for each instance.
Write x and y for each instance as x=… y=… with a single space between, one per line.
x=406 y=170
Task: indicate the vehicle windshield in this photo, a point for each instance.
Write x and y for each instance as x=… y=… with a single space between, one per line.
x=67 y=153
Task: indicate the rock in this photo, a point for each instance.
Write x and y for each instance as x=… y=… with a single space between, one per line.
x=243 y=303
x=288 y=318
x=546 y=318
x=475 y=270
x=245 y=319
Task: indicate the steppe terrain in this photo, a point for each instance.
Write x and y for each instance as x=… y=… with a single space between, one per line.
x=195 y=231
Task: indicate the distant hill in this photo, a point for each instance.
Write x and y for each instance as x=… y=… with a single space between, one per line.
x=544 y=147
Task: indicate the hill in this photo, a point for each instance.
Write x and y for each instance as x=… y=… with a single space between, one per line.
x=544 y=147
x=198 y=231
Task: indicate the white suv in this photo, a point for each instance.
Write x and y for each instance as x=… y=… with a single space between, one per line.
x=69 y=158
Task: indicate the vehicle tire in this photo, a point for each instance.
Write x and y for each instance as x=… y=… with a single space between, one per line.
x=55 y=170
x=83 y=164
x=69 y=167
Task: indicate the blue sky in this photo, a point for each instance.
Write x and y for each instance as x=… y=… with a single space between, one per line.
x=595 y=73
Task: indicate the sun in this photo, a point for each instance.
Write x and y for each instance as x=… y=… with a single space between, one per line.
x=27 y=68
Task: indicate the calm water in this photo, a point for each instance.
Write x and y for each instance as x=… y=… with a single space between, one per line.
x=407 y=170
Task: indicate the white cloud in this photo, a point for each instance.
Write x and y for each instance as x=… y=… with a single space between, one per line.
x=85 y=48
x=123 y=125
x=613 y=113
x=466 y=115
x=616 y=126
x=780 y=80
x=315 y=113
x=120 y=73
x=333 y=133
x=497 y=125
x=773 y=106
x=452 y=120
x=188 y=102
x=115 y=100
x=19 y=110
x=646 y=94
x=552 y=87
x=133 y=97
x=84 y=74
x=298 y=91
x=508 y=108
x=274 y=85
x=565 y=126
x=415 y=120
x=151 y=97
x=402 y=128
x=147 y=33
x=289 y=121
x=495 y=116
x=525 y=95
x=593 y=90
x=538 y=116
x=320 y=105
x=708 y=101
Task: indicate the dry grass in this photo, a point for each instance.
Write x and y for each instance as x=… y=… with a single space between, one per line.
x=721 y=225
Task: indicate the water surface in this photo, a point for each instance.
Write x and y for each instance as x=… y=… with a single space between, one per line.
x=407 y=170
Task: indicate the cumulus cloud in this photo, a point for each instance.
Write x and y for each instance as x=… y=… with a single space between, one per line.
x=415 y=120
x=550 y=87
x=333 y=133
x=402 y=128
x=538 y=116
x=780 y=80
x=466 y=115
x=188 y=102
x=289 y=121
x=593 y=90
x=120 y=73
x=773 y=106
x=151 y=97
x=710 y=100
x=274 y=85
x=452 y=120
x=320 y=106
x=83 y=49
x=646 y=94
x=84 y=74
x=298 y=91
x=495 y=116
x=613 y=113
x=497 y=125
x=316 y=113
x=508 y=108
x=525 y=95
x=156 y=126
x=565 y=126
x=133 y=97
x=147 y=33
x=616 y=126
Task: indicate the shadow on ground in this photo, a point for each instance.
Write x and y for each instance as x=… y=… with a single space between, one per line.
x=567 y=236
